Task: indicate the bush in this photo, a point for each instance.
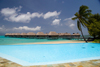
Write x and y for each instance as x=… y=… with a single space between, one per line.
x=96 y=41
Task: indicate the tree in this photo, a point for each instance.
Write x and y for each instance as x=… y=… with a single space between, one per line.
x=94 y=25
x=82 y=16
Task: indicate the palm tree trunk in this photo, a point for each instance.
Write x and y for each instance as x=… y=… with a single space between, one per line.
x=82 y=33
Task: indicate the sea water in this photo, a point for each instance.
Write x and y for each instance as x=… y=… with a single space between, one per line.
x=12 y=40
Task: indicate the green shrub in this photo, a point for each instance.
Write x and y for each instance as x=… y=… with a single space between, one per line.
x=96 y=41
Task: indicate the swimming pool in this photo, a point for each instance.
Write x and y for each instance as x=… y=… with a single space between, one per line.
x=41 y=54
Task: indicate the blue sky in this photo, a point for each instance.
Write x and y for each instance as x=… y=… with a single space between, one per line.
x=17 y=16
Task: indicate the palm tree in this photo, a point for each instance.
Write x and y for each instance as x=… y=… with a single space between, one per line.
x=82 y=16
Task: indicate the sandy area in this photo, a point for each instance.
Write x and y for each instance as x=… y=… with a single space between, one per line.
x=56 y=42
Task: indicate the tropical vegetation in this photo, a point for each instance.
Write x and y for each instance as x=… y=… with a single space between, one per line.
x=88 y=20
x=82 y=16
x=96 y=41
x=94 y=25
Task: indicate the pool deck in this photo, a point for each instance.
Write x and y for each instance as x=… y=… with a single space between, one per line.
x=89 y=63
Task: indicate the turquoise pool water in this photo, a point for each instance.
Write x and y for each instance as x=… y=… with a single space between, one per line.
x=40 y=54
x=10 y=40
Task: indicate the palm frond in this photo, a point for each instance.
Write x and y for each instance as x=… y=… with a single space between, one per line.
x=76 y=14
x=82 y=9
x=74 y=18
x=85 y=20
x=88 y=11
x=83 y=23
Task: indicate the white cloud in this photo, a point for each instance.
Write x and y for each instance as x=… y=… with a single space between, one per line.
x=8 y=11
x=71 y=25
x=14 y=15
x=20 y=18
x=51 y=14
x=19 y=29
x=28 y=28
x=36 y=15
x=56 y=22
x=70 y=22
x=69 y=18
x=3 y=29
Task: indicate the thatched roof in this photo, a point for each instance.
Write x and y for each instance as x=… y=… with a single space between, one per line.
x=31 y=33
x=52 y=33
x=60 y=34
x=46 y=34
x=17 y=34
x=12 y=33
x=67 y=34
x=40 y=33
x=23 y=34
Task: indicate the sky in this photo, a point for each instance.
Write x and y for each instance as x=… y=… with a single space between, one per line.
x=17 y=16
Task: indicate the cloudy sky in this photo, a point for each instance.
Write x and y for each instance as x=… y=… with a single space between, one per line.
x=42 y=15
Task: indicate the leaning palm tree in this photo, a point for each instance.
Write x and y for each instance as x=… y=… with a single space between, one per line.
x=82 y=16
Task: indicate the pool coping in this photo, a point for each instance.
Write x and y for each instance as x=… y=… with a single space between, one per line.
x=88 y=63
